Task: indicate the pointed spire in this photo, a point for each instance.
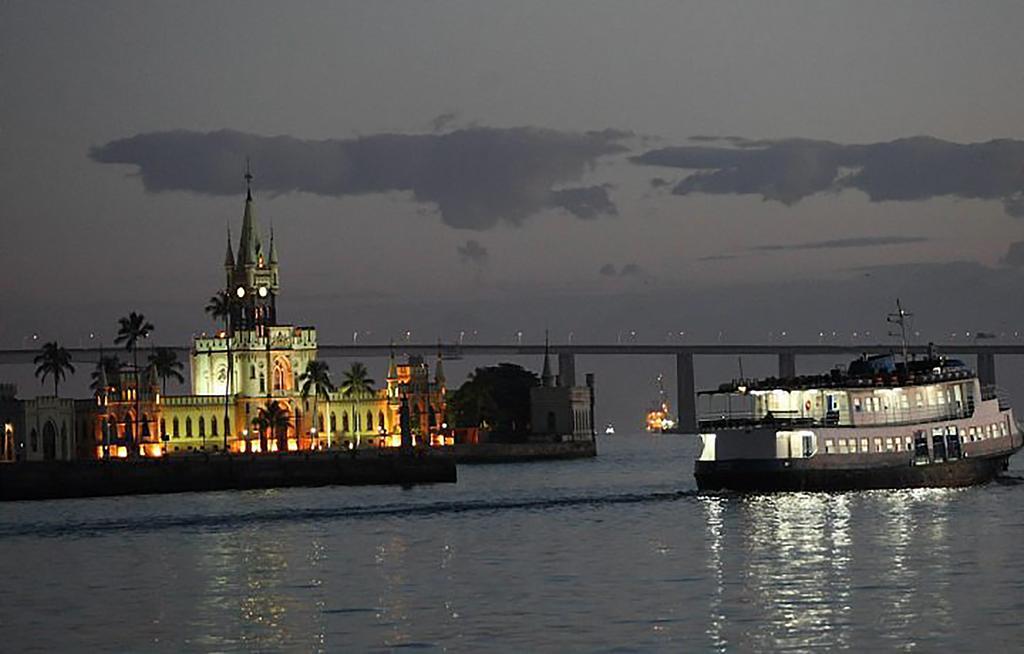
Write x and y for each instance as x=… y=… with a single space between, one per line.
x=392 y=366
x=273 y=248
x=229 y=257
x=249 y=244
x=248 y=181
x=546 y=378
x=439 y=366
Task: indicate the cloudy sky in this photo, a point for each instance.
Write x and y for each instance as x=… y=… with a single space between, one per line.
x=726 y=169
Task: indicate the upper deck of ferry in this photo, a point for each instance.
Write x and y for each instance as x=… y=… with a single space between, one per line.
x=870 y=391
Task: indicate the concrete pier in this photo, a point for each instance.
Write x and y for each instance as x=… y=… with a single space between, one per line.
x=686 y=393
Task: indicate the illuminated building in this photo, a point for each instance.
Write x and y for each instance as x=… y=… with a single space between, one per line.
x=256 y=360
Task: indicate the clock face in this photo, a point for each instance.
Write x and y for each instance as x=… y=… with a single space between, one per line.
x=240 y=291
x=263 y=291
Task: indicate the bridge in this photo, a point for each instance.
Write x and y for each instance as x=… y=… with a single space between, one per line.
x=684 y=353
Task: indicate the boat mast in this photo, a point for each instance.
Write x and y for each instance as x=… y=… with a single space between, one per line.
x=900 y=318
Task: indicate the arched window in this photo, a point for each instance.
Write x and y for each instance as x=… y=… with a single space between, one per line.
x=163 y=426
x=63 y=440
x=320 y=422
x=380 y=420
x=34 y=440
x=174 y=427
x=129 y=431
x=227 y=426
x=344 y=422
x=144 y=431
x=369 y=421
x=213 y=425
x=252 y=371
x=334 y=422
x=202 y=426
x=188 y=427
x=282 y=374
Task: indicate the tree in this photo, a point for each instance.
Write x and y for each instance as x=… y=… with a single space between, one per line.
x=108 y=367
x=219 y=307
x=495 y=398
x=164 y=362
x=316 y=379
x=53 y=361
x=275 y=419
x=356 y=381
x=130 y=329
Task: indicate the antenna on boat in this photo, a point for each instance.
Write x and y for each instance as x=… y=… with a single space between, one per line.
x=900 y=318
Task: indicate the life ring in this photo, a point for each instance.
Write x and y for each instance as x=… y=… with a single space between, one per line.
x=807 y=405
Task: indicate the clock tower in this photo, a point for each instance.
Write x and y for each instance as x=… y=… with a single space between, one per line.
x=252 y=279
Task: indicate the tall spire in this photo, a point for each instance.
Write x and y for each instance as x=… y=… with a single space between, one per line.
x=439 y=366
x=248 y=181
x=229 y=256
x=248 y=245
x=392 y=367
x=546 y=378
x=273 y=248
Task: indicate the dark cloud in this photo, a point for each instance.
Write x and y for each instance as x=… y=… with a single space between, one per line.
x=472 y=252
x=476 y=177
x=585 y=202
x=608 y=270
x=860 y=242
x=909 y=169
x=631 y=270
x=1014 y=255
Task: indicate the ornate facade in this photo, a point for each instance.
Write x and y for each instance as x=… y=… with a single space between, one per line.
x=254 y=361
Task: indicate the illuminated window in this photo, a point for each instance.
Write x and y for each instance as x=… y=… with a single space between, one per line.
x=830 y=445
x=863 y=445
x=369 y=421
x=888 y=444
x=334 y=422
x=877 y=443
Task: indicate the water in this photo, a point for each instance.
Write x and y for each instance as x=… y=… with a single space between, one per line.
x=614 y=554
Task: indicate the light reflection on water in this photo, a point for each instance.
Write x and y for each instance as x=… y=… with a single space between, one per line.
x=593 y=555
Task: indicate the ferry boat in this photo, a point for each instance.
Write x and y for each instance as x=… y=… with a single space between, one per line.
x=879 y=423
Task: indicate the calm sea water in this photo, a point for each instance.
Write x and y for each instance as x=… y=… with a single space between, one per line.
x=614 y=554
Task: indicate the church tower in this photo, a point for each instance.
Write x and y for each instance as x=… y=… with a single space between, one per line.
x=253 y=281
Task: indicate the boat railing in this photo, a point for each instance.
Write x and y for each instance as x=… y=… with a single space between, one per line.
x=782 y=419
x=994 y=392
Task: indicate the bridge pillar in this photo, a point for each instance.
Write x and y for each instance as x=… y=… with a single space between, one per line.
x=566 y=369
x=787 y=365
x=686 y=393
x=987 y=369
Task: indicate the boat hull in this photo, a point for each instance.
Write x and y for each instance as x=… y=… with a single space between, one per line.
x=764 y=475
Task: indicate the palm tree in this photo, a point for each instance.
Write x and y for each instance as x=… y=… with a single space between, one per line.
x=219 y=307
x=130 y=329
x=317 y=379
x=164 y=362
x=357 y=381
x=273 y=418
x=109 y=367
x=53 y=361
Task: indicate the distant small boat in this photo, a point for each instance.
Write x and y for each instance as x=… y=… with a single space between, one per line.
x=609 y=429
x=659 y=417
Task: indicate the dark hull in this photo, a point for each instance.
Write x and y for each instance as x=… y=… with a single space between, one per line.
x=782 y=475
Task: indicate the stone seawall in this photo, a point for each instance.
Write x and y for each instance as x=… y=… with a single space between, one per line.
x=515 y=452
x=67 y=479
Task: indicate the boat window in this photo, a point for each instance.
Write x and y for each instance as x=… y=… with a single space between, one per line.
x=842 y=446
x=877 y=444
x=808 y=442
x=888 y=444
x=939 y=447
x=863 y=445
x=918 y=400
x=1003 y=431
x=904 y=402
x=907 y=441
x=856 y=404
x=921 y=447
x=830 y=446
x=953 y=446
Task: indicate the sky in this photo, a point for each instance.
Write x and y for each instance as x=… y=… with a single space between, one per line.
x=649 y=171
